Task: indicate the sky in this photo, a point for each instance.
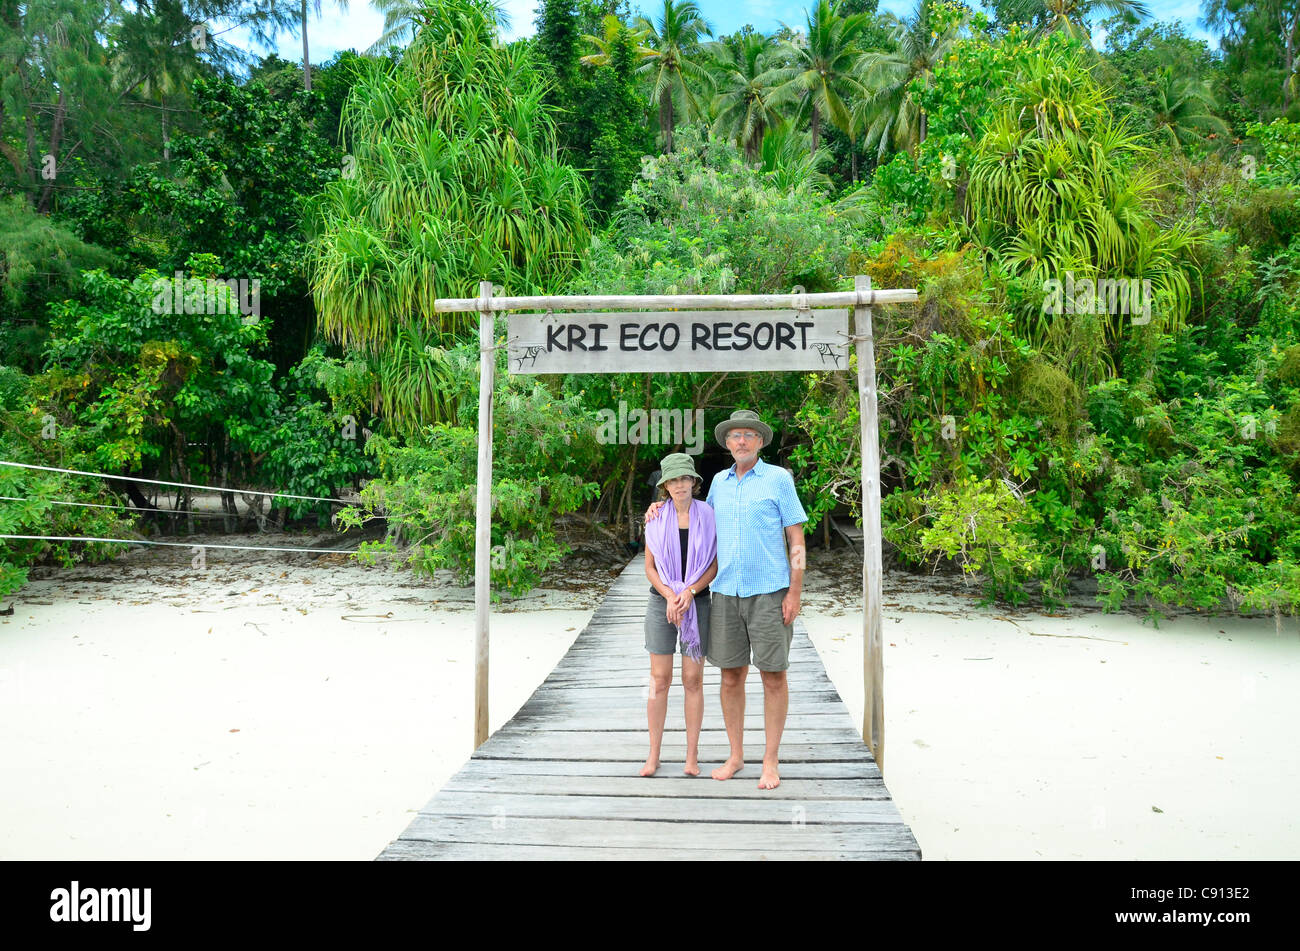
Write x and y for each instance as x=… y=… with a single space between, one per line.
x=360 y=25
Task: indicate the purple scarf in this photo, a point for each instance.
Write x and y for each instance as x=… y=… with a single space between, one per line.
x=664 y=542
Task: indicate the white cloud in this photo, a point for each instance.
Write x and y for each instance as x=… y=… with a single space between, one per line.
x=522 y=13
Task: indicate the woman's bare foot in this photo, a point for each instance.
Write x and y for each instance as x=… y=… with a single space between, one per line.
x=769 y=779
x=728 y=769
x=692 y=767
x=651 y=764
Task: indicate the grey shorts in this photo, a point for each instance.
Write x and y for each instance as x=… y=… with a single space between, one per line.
x=753 y=625
x=661 y=636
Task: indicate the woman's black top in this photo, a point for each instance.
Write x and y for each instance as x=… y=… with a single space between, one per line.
x=684 y=535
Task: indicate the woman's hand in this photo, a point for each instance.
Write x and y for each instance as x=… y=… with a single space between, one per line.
x=683 y=601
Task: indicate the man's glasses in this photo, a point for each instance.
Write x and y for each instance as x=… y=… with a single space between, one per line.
x=736 y=435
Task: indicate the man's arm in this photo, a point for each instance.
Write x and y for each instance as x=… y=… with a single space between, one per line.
x=790 y=603
x=798 y=556
x=710 y=573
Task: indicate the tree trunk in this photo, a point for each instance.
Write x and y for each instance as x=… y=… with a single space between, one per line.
x=56 y=139
x=816 y=129
x=306 y=59
x=227 y=498
x=136 y=496
x=666 y=117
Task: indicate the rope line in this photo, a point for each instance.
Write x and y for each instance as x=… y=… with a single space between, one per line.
x=183 y=485
x=129 y=508
x=132 y=541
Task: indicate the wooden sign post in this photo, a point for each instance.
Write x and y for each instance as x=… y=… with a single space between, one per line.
x=738 y=332
x=873 y=665
x=483 y=512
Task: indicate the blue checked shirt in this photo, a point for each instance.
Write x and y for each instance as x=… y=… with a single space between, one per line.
x=752 y=514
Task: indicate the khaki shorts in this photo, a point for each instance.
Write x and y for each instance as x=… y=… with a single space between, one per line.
x=740 y=627
x=661 y=636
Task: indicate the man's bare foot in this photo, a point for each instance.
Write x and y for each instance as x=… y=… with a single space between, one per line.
x=692 y=767
x=650 y=766
x=769 y=779
x=728 y=769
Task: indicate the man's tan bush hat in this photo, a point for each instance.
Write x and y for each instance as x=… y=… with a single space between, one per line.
x=742 y=419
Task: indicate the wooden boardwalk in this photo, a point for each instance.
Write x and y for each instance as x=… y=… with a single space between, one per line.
x=559 y=781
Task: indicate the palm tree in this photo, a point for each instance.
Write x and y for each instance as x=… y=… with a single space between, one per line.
x=306 y=58
x=890 y=114
x=824 y=77
x=1183 y=108
x=1069 y=16
x=673 y=66
x=403 y=19
x=785 y=157
x=151 y=61
x=744 y=104
x=605 y=44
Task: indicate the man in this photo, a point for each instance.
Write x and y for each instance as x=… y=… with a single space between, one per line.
x=757 y=591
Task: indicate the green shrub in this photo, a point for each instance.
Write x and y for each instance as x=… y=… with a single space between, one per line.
x=543 y=447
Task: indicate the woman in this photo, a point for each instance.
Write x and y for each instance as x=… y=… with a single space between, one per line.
x=680 y=561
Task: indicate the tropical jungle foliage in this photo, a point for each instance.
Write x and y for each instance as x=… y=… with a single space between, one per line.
x=1037 y=430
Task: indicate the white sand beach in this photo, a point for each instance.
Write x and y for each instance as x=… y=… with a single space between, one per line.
x=295 y=707
x=1019 y=735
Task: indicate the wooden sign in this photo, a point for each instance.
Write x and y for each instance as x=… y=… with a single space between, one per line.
x=679 y=341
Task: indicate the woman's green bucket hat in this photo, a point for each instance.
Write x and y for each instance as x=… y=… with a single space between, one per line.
x=674 y=466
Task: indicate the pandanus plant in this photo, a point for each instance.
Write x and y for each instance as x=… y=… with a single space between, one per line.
x=451 y=177
x=1058 y=186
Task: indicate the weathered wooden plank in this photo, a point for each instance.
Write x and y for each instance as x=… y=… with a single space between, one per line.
x=632 y=693
x=548 y=706
x=798 y=678
x=575 y=702
x=624 y=833
x=624 y=633
x=637 y=660
x=578 y=700
x=634 y=739
x=591 y=664
x=549 y=711
x=592 y=302
x=504 y=805
x=675 y=723
x=862 y=771
x=803 y=674
x=594 y=663
x=595 y=746
x=632 y=697
x=595 y=720
x=404 y=850
x=634 y=648
x=669 y=781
